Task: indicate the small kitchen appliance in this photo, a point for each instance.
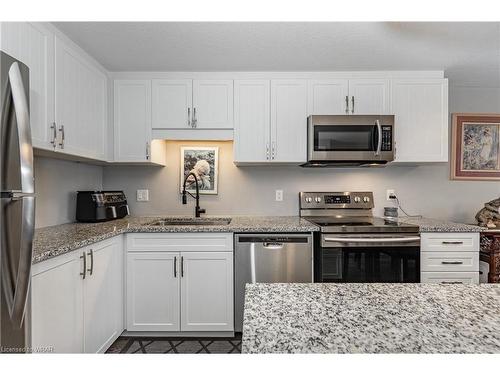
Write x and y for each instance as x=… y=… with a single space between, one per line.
x=96 y=206
x=354 y=246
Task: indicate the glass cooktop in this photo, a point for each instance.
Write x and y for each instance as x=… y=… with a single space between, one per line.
x=333 y=224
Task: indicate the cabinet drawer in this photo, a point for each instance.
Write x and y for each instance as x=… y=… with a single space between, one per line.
x=449 y=277
x=179 y=242
x=461 y=261
x=449 y=241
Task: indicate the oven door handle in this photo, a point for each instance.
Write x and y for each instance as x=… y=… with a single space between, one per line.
x=371 y=239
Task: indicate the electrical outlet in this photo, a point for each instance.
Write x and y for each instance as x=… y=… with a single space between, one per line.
x=142 y=195
x=388 y=194
x=279 y=195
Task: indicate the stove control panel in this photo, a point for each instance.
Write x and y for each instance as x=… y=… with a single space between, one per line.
x=328 y=200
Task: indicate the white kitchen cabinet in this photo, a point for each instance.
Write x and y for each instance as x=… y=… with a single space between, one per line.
x=328 y=97
x=289 y=121
x=77 y=303
x=369 y=96
x=33 y=44
x=103 y=295
x=421 y=110
x=180 y=282
x=207 y=291
x=172 y=103
x=80 y=104
x=153 y=302
x=57 y=304
x=213 y=104
x=252 y=110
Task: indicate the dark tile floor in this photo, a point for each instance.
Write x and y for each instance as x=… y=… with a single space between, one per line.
x=177 y=345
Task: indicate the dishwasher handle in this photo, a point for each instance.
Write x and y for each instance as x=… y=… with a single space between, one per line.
x=273 y=245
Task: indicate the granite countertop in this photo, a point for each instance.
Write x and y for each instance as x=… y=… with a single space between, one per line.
x=433 y=225
x=371 y=318
x=59 y=239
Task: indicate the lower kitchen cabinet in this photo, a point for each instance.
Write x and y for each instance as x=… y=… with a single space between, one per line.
x=77 y=299
x=189 y=290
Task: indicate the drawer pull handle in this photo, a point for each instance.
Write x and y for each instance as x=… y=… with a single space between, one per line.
x=453 y=242
x=453 y=262
x=451 y=282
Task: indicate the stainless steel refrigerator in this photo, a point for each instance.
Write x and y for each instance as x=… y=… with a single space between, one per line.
x=17 y=209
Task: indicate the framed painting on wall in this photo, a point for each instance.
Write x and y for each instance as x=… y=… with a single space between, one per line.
x=475 y=146
x=204 y=163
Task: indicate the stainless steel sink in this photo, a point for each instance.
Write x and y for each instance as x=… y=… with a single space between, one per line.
x=191 y=221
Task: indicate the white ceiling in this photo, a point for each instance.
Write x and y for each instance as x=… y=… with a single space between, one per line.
x=468 y=52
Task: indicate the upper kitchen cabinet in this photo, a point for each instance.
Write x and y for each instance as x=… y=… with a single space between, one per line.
x=80 y=103
x=288 y=121
x=252 y=116
x=421 y=110
x=172 y=104
x=328 y=97
x=348 y=96
x=33 y=44
x=212 y=104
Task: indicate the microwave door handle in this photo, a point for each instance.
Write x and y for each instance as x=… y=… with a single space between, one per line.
x=379 y=138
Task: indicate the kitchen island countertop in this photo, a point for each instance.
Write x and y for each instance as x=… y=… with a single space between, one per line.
x=371 y=318
x=60 y=239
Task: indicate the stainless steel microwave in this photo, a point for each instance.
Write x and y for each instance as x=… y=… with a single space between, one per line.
x=349 y=140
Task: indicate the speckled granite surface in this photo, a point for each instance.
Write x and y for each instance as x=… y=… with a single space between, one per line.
x=371 y=318
x=433 y=225
x=59 y=239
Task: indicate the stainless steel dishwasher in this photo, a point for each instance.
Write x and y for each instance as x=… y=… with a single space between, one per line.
x=269 y=258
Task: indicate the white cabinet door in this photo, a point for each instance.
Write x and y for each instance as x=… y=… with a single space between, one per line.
x=153 y=292
x=132 y=120
x=421 y=110
x=32 y=44
x=289 y=120
x=80 y=103
x=207 y=291
x=57 y=310
x=103 y=295
x=369 y=96
x=328 y=97
x=252 y=99
x=213 y=104
x=172 y=103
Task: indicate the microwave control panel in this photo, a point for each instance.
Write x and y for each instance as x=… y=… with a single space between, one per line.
x=386 y=138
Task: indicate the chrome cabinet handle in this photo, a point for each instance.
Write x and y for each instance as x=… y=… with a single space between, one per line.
x=175 y=267
x=54 y=134
x=182 y=266
x=379 y=136
x=195 y=120
x=352 y=101
x=91 y=269
x=451 y=282
x=453 y=262
x=346 y=104
x=452 y=242
x=61 y=129
x=189 y=116
x=147 y=150
x=84 y=257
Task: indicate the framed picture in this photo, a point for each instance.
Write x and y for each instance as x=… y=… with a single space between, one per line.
x=204 y=163
x=475 y=146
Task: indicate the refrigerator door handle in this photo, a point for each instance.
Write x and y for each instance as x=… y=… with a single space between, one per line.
x=16 y=295
x=21 y=108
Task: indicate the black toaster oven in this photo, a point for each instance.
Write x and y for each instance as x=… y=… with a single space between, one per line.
x=96 y=206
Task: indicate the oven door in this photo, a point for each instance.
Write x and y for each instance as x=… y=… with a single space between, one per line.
x=350 y=138
x=370 y=258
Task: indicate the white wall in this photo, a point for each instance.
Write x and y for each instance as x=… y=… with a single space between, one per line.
x=425 y=190
x=56 y=183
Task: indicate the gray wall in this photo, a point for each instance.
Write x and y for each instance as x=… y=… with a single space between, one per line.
x=56 y=183
x=425 y=190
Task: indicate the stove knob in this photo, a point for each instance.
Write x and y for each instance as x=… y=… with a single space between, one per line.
x=366 y=199
x=309 y=199
x=317 y=199
x=357 y=199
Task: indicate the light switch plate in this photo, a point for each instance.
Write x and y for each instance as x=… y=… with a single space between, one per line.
x=142 y=195
x=279 y=195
